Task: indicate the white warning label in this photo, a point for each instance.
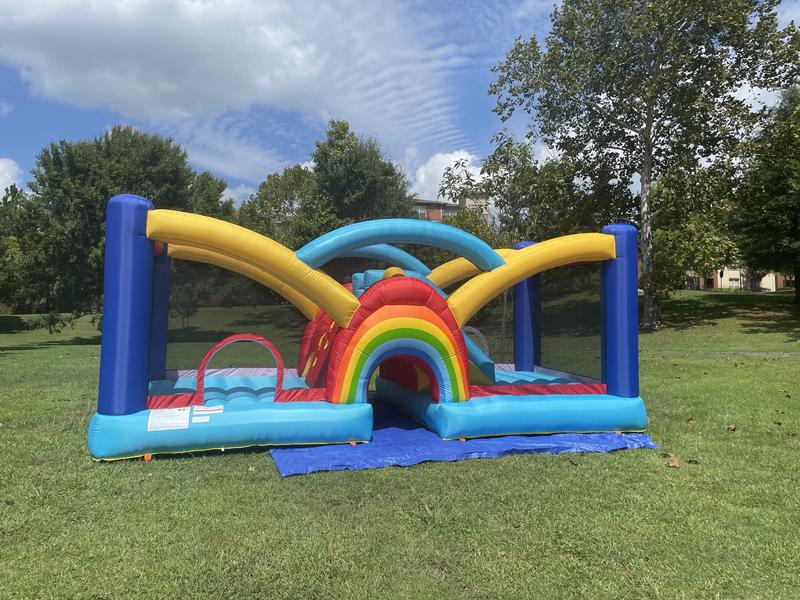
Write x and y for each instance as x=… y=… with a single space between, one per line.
x=208 y=410
x=164 y=419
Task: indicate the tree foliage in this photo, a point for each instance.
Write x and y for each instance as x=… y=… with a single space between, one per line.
x=62 y=224
x=356 y=180
x=275 y=208
x=208 y=197
x=629 y=87
x=766 y=215
x=691 y=234
x=534 y=200
x=351 y=180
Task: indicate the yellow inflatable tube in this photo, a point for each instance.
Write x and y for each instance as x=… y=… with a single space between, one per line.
x=459 y=269
x=303 y=304
x=205 y=233
x=524 y=263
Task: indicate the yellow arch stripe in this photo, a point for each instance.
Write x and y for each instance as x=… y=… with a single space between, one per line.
x=303 y=304
x=524 y=263
x=392 y=324
x=241 y=244
x=458 y=269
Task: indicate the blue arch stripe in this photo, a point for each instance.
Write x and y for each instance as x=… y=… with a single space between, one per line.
x=393 y=256
x=410 y=347
x=342 y=241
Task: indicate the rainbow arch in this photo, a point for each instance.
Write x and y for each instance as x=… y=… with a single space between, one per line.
x=416 y=323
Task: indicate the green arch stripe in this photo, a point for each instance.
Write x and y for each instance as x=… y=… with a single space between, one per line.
x=401 y=332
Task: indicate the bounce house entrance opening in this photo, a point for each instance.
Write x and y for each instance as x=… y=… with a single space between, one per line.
x=411 y=372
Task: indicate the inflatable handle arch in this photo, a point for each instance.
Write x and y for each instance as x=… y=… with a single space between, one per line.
x=232 y=339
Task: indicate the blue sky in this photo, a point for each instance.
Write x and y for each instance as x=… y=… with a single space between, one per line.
x=248 y=86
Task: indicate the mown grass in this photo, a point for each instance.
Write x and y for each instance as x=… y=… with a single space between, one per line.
x=725 y=523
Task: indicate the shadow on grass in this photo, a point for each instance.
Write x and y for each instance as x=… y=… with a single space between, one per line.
x=270 y=317
x=191 y=335
x=758 y=312
x=12 y=324
x=75 y=341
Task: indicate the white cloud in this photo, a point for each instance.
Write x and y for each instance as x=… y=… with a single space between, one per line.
x=535 y=9
x=543 y=153
x=788 y=10
x=378 y=65
x=5 y=109
x=756 y=97
x=226 y=149
x=239 y=193
x=429 y=175
x=9 y=173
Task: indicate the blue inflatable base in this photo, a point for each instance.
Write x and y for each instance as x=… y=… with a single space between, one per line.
x=399 y=441
x=513 y=415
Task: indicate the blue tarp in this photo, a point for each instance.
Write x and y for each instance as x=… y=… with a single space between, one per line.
x=399 y=441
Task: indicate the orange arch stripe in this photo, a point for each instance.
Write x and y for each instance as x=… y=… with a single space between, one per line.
x=398 y=322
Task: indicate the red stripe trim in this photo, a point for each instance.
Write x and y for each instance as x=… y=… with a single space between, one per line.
x=537 y=389
x=173 y=401
x=301 y=395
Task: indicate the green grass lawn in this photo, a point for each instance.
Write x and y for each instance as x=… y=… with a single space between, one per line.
x=725 y=523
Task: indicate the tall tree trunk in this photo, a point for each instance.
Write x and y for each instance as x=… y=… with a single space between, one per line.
x=651 y=316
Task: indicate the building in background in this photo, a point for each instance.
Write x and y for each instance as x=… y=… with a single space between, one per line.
x=732 y=278
x=434 y=210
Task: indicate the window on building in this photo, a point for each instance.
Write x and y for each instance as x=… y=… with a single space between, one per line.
x=709 y=282
x=734 y=282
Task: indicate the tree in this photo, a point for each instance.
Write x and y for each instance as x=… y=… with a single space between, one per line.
x=646 y=88
x=63 y=234
x=12 y=269
x=275 y=208
x=691 y=233
x=314 y=217
x=350 y=181
x=766 y=215
x=355 y=179
x=206 y=198
x=537 y=200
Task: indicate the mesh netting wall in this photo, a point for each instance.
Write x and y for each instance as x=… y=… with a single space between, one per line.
x=207 y=304
x=571 y=319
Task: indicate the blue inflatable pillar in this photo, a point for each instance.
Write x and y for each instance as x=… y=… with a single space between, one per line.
x=527 y=321
x=160 y=317
x=127 y=308
x=620 y=333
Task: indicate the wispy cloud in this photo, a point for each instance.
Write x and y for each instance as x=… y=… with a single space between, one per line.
x=168 y=62
x=211 y=73
x=9 y=173
x=225 y=147
x=5 y=108
x=239 y=193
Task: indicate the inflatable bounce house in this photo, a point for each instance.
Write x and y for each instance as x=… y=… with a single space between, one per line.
x=397 y=324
